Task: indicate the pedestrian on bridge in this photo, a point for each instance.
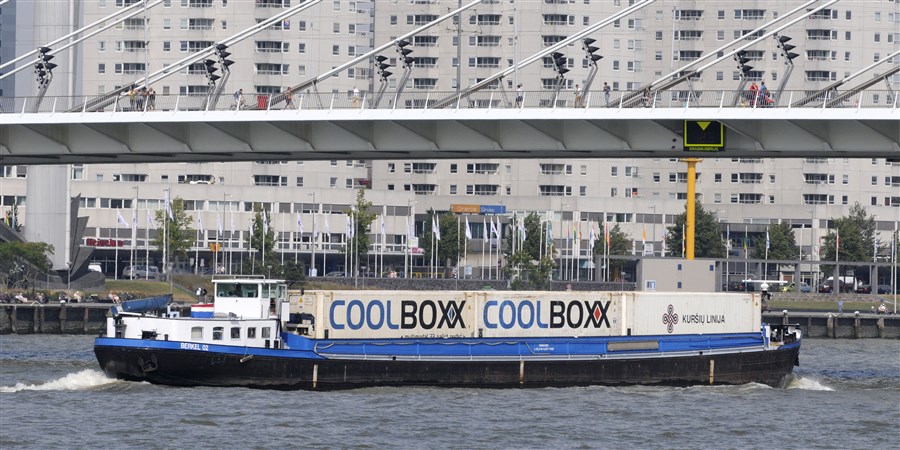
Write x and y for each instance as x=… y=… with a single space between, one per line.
x=606 y=93
x=520 y=95
x=289 y=99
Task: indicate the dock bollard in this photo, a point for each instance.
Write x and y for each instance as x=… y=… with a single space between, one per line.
x=830 y=326
x=880 y=326
x=784 y=317
x=857 y=325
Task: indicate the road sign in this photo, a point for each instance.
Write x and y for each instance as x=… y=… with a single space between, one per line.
x=704 y=136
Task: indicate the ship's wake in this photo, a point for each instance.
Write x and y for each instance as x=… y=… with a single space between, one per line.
x=806 y=384
x=84 y=380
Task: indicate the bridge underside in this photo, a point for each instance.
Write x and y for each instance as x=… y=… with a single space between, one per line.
x=310 y=135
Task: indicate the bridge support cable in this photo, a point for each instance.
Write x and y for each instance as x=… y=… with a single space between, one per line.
x=110 y=97
x=857 y=89
x=314 y=81
x=555 y=48
x=833 y=86
x=106 y=22
x=677 y=77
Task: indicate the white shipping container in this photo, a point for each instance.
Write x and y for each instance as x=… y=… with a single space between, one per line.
x=513 y=314
x=666 y=313
x=544 y=314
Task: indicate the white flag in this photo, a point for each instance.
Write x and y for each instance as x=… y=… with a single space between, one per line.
x=383 y=213
x=232 y=224
x=265 y=222
x=327 y=227
x=199 y=221
x=134 y=219
x=409 y=232
x=435 y=229
x=121 y=220
x=315 y=226
x=150 y=223
x=349 y=227
x=169 y=207
x=299 y=223
x=219 y=224
x=468 y=230
x=592 y=237
x=494 y=230
x=484 y=230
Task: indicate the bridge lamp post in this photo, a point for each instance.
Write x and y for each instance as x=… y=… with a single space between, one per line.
x=559 y=66
x=590 y=50
x=742 y=60
x=407 y=62
x=788 y=56
x=382 y=66
x=43 y=71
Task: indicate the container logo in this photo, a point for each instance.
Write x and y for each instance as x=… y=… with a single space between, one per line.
x=528 y=314
x=670 y=319
x=378 y=314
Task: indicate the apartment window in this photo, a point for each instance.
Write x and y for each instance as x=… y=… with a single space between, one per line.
x=101 y=68
x=453 y=168
x=614 y=171
x=452 y=189
x=393 y=20
x=336 y=27
x=332 y=182
x=875 y=181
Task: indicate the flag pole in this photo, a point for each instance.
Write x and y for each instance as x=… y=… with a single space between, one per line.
x=147 y=241
x=116 y=243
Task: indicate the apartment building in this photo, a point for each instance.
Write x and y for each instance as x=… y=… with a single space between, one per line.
x=642 y=194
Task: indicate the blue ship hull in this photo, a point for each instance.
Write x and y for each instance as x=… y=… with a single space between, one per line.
x=487 y=363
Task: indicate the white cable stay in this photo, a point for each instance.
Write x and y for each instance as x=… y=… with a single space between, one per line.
x=133 y=10
x=185 y=62
x=313 y=81
x=539 y=55
x=667 y=81
x=851 y=92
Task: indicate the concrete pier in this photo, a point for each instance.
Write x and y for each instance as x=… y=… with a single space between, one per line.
x=840 y=326
x=76 y=318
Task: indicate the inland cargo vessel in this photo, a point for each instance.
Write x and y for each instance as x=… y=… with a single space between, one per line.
x=258 y=334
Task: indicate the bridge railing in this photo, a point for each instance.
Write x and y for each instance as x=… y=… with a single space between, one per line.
x=484 y=99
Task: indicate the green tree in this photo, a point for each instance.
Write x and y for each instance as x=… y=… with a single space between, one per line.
x=619 y=244
x=181 y=236
x=363 y=216
x=782 y=244
x=708 y=241
x=22 y=261
x=527 y=268
x=293 y=273
x=263 y=238
x=857 y=237
x=451 y=241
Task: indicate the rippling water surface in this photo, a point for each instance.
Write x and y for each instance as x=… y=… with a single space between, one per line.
x=845 y=394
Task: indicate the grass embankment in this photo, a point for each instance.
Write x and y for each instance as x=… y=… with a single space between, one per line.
x=824 y=305
x=182 y=288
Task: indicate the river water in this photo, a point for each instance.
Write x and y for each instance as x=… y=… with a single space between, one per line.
x=845 y=394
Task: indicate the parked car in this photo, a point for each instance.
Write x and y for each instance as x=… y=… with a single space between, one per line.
x=864 y=289
x=337 y=273
x=884 y=289
x=141 y=272
x=827 y=288
x=95 y=267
